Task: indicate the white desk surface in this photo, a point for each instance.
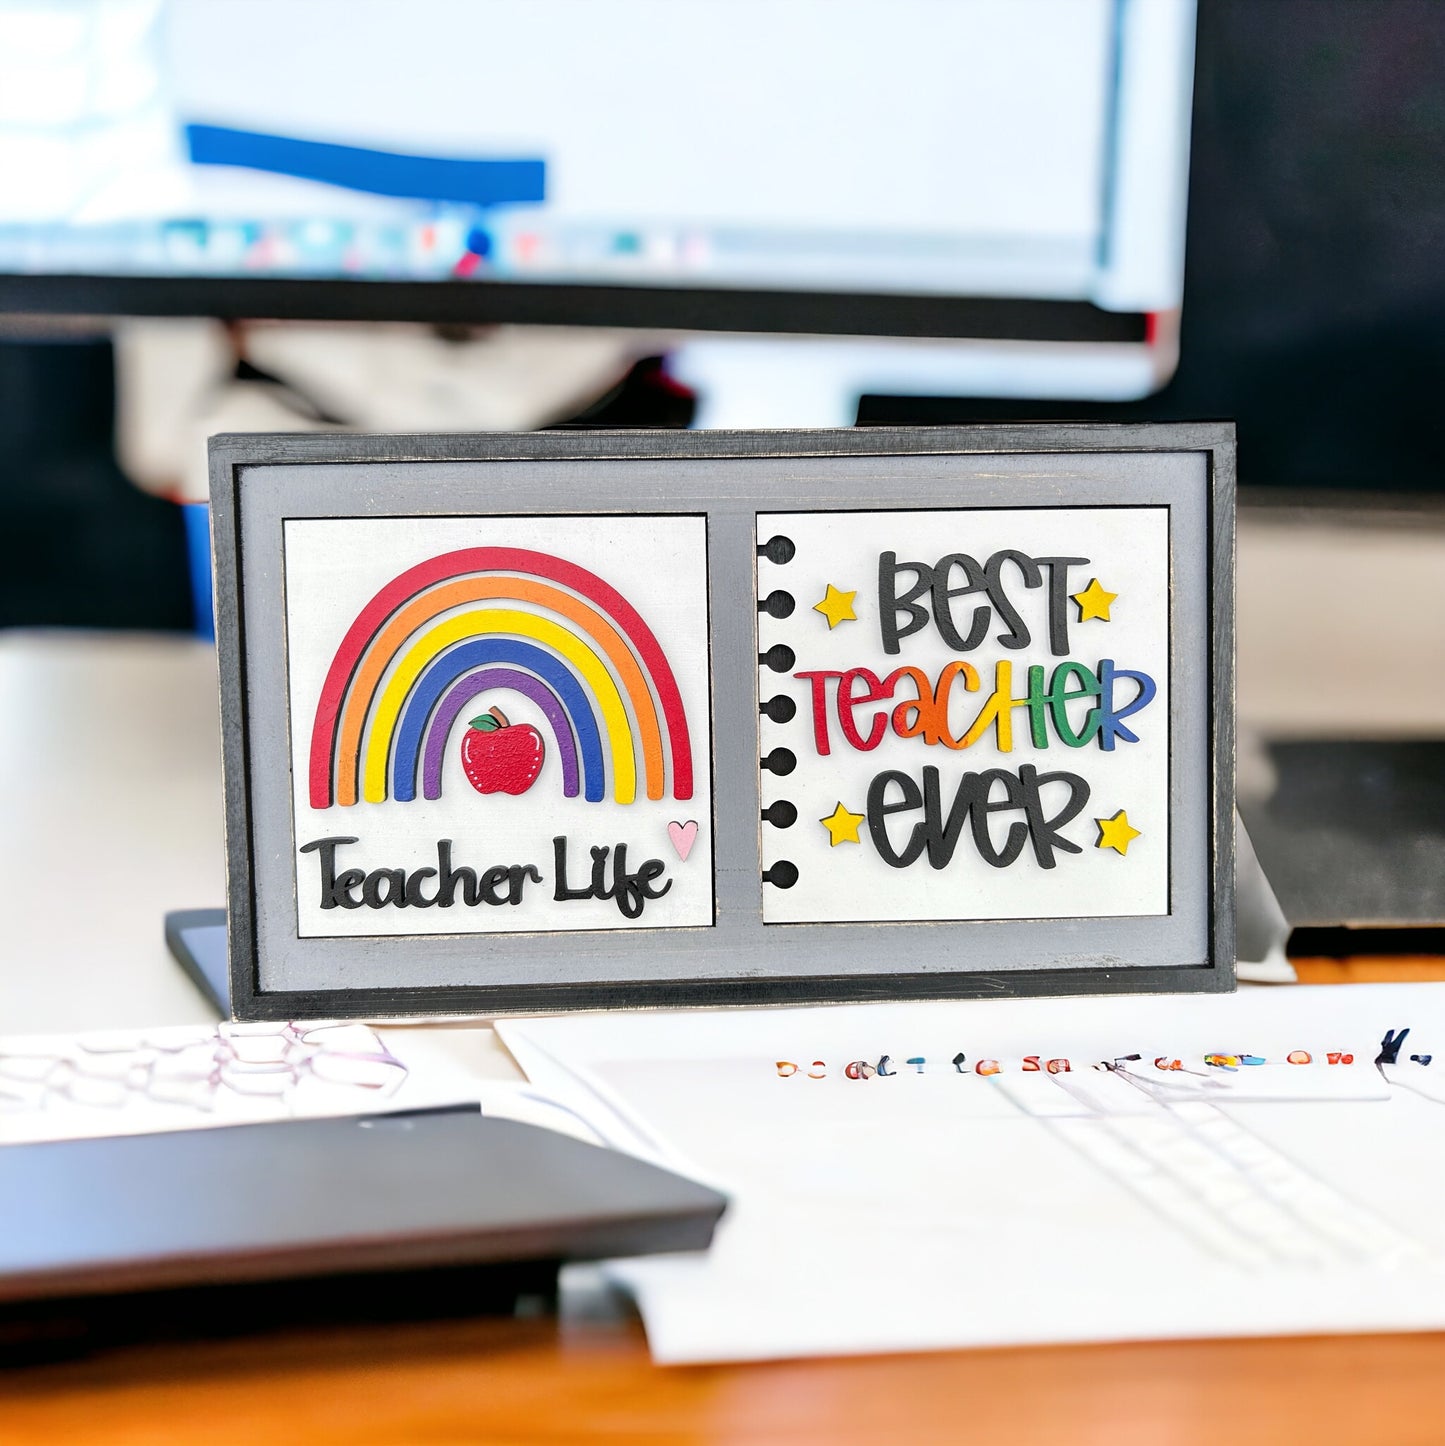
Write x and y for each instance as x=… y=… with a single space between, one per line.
x=110 y=801
x=110 y=815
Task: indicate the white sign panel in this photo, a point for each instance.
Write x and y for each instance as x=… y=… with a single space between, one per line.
x=498 y=724
x=980 y=720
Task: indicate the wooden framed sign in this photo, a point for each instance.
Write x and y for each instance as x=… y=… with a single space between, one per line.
x=547 y=721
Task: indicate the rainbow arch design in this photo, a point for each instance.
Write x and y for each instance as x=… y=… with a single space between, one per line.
x=403 y=672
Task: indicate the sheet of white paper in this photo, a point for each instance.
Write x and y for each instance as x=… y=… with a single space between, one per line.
x=932 y=1206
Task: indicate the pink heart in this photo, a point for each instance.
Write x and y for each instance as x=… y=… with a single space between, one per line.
x=683 y=836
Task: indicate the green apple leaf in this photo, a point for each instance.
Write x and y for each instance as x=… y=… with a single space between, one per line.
x=484 y=723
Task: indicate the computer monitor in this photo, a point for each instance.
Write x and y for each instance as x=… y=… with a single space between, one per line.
x=1011 y=171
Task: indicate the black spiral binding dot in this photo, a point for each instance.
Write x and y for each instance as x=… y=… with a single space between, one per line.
x=781 y=709
x=781 y=814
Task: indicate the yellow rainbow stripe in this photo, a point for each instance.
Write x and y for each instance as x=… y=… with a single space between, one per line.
x=498 y=620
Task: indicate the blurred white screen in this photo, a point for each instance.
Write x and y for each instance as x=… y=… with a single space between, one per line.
x=973 y=147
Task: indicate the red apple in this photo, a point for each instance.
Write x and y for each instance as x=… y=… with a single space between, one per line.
x=499 y=756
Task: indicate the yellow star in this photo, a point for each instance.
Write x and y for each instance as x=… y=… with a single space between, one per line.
x=842 y=826
x=1116 y=833
x=837 y=607
x=1094 y=602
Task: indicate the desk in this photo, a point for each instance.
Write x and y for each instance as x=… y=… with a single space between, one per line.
x=108 y=763
x=523 y=1381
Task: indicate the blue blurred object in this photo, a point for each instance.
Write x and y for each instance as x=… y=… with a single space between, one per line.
x=198 y=551
x=478 y=182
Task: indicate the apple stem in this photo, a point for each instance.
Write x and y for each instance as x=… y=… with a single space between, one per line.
x=501 y=717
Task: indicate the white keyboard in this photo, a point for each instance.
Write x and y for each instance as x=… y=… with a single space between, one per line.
x=1234 y=1193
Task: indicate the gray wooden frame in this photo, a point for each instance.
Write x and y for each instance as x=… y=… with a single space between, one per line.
x=738 y=960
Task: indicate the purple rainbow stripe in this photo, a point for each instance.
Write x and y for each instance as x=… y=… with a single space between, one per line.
x=464 y=692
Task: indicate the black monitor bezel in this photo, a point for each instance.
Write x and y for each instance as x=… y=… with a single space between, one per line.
x=661 y=308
